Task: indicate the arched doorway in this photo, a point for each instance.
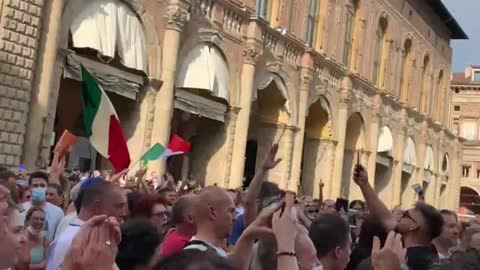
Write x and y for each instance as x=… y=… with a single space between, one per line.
x=317 y=149
x=201 y=104
x=408 y=172
x=470 y=199
x=384 y=166
x=354 y=146
x=98 y=39
x=269 y=124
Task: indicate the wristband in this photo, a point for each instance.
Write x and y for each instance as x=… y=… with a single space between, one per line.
x=286 y=253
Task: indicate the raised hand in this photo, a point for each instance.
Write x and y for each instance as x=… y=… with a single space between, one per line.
x=360 y=175
x=270 y=162
x=391 y=256
x=262 y=226
x=116 y=177
x=284 y=226
x=95 y=246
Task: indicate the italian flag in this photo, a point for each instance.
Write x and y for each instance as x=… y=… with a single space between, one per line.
x=177 y=146
x=101 y=123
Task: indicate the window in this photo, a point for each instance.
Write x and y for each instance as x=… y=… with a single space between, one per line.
x=465 y=171
x=478 y=174
x=350 y=20
x=377 y=61
x=476 y=76
x=405 y=71
x=424 y=84
x=293 y=18
x=456 y=108
x=468 y=130
x=262 y=9
x=311 y=21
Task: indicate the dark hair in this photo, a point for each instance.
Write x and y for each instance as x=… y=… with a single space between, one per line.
x=145 y=205
x=5 y=175
x=371 y=227
x=433 y=219
x=449 y=213
x=179 y=209
x=328 y=232
x=352 y=203
x=193 y=259
x=267 y=251
x=460 y=260
x=30 y=212
x=132 y=199
x=165 y=190
x=93 y=192
x=57 y=187
x=139 y=242
x=38 y=174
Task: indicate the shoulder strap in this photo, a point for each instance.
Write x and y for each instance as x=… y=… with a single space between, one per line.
x=201 y=243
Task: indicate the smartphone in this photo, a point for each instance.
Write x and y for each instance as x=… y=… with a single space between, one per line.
x=417 y=188
x=289 y=199
x=341 y=204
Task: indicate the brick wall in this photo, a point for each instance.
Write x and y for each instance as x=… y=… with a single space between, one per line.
x=19 y=35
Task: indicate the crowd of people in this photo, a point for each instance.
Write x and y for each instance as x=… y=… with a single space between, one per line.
x=98 y=221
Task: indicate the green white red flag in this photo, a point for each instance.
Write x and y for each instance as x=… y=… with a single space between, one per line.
x=101 y=123
x=177 y=146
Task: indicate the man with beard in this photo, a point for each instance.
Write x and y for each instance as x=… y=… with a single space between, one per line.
x=418 y=226
x=449 y=237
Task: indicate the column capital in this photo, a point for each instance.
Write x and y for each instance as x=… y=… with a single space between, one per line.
x=252 y=49
x=176 y=17
x=306 y=78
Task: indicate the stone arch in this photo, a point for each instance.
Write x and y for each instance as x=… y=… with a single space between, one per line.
x=354 y=150
x=425 y=84
x=445 y=165
x=469 y=198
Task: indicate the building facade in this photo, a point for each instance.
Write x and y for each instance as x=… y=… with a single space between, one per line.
x=466 y=124
x=334 y=82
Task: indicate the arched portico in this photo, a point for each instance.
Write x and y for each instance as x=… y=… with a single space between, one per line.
x=353 y=154
x=318 y=148
x=408 y=172
x=470 y=199
x=384 y=166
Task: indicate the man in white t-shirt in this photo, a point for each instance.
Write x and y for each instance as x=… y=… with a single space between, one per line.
x=97 y=197
x=38 y=182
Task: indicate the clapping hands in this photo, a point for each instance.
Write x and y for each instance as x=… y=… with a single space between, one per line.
x=95 y=246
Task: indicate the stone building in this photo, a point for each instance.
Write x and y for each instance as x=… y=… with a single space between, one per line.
x=465 y=88
x=332 y=81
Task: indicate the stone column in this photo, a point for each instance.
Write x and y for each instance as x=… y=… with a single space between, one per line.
x=454 y=179
x=336 y=181
x=398 y=160
x=176 y=18
x=306 y=78
x=42 y=110
x=373 y=141
x=250 y=52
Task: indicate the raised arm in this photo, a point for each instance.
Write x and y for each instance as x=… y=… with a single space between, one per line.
x=376 y=206
x=254 y=188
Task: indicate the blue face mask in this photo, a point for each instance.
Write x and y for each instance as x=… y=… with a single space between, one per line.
x=39 y=195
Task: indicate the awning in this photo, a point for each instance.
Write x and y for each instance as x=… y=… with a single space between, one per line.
x=109 y=27
x=429 y=159
x=410 y=153
x=264 y=79
x=385 y=140
x=384 y=160
x=199 y=105
x=427 y=176
x=111 y=79
x=408 y=168
x=204 y=67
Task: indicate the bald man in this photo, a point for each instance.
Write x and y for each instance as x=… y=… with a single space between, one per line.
x=214 y=216
x=184 y=222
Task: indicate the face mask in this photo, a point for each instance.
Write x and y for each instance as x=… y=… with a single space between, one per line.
x=39 y=195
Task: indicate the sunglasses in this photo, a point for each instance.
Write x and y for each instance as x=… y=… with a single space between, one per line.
x=406 y=214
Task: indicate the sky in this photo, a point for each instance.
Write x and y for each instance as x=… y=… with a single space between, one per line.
x=466 y=52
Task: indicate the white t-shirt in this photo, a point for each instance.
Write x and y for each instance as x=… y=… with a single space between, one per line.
x=65 y=223
x=61 y=245
x=53 y=216
x=220 y=251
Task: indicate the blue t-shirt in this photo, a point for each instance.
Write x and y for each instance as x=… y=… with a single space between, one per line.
x=237 y=230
